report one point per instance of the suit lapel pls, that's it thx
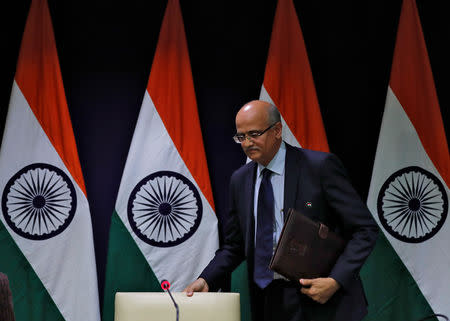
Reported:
(249, 191)
(291, 176)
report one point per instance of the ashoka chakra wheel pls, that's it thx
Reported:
(412, 205)
(39, 201)
(164, 209)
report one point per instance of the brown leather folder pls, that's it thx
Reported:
(306, 249)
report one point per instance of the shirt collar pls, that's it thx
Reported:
(276, 165)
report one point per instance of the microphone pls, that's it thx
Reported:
(165, 285)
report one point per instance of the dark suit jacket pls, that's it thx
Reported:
(318, 178)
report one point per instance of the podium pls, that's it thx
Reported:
(157, 306)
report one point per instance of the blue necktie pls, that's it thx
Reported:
(264, 232)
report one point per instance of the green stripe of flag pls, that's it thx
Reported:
(239, 284)
(392, 293)
(30, 298)
(127, 269)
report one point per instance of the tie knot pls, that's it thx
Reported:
(266, 173)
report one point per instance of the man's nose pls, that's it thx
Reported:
(247, 142)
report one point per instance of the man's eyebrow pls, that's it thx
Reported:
(251, 130)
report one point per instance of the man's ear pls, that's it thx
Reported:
(278, 129)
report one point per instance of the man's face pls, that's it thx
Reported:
(262, 148)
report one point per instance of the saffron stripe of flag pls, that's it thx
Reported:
(288, 82)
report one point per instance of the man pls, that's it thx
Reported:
(282, 177)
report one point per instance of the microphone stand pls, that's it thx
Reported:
(165, 285)
(174, 303)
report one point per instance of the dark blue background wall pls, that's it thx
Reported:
(106, 50)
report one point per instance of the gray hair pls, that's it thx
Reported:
(274, 115)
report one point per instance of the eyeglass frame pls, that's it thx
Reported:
(255, 134)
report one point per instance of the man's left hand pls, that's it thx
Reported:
(320, 289)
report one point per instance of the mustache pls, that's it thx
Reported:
(251, 148)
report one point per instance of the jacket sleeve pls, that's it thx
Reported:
(232, 252)
(354, 218)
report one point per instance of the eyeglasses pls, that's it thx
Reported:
(253, 134)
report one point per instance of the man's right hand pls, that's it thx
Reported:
(198, 285)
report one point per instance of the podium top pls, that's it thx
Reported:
(157, 306)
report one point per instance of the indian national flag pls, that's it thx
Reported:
(408, 275)
(164, 225)
(46, 241)
(289, 85)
